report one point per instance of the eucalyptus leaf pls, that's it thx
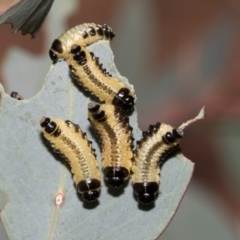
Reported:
(31, 175)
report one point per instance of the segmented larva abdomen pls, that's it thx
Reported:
(156, 144)
(68, 139)
(116, 142)
(87, 70)
(83, 35)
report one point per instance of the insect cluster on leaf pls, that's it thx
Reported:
(120, 160)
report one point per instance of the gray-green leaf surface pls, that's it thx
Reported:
(31, 175)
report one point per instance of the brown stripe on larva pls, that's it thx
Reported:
(80, 156)
(116, 136)
(97, 82)
(146, 170)
(147, 134)
(94, 79)
(150, 155)
(149, 151)
(73, 144)
(171, 152)
(158, 143)
(83, 35)
(86, 69)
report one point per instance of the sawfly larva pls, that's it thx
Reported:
(116, 142)
(158, 143)
(67, 139)
(87, 70)
(83, 35)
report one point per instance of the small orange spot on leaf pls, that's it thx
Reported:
(59, 199)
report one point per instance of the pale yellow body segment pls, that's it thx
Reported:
(116, 138)
(106, 148)
(158, 144)
(73, 144)
(75, 36)
(145, 166)
(91, 76)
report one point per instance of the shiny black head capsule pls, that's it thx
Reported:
(171, 137)
(124, 100)
(146, 192)
(49, 125)
(90, 196)
(55, 48)
(53, 56)
(75, 49)
(115, 176)
(90, 189)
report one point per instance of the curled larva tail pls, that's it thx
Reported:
(68, 139)
(116, 142)
(89, 72)
(83, 35)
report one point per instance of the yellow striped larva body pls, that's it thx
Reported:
(116, 142)
(87, 70)
(16, 95)
(157, 144)
(83, 35)
(68, 139)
